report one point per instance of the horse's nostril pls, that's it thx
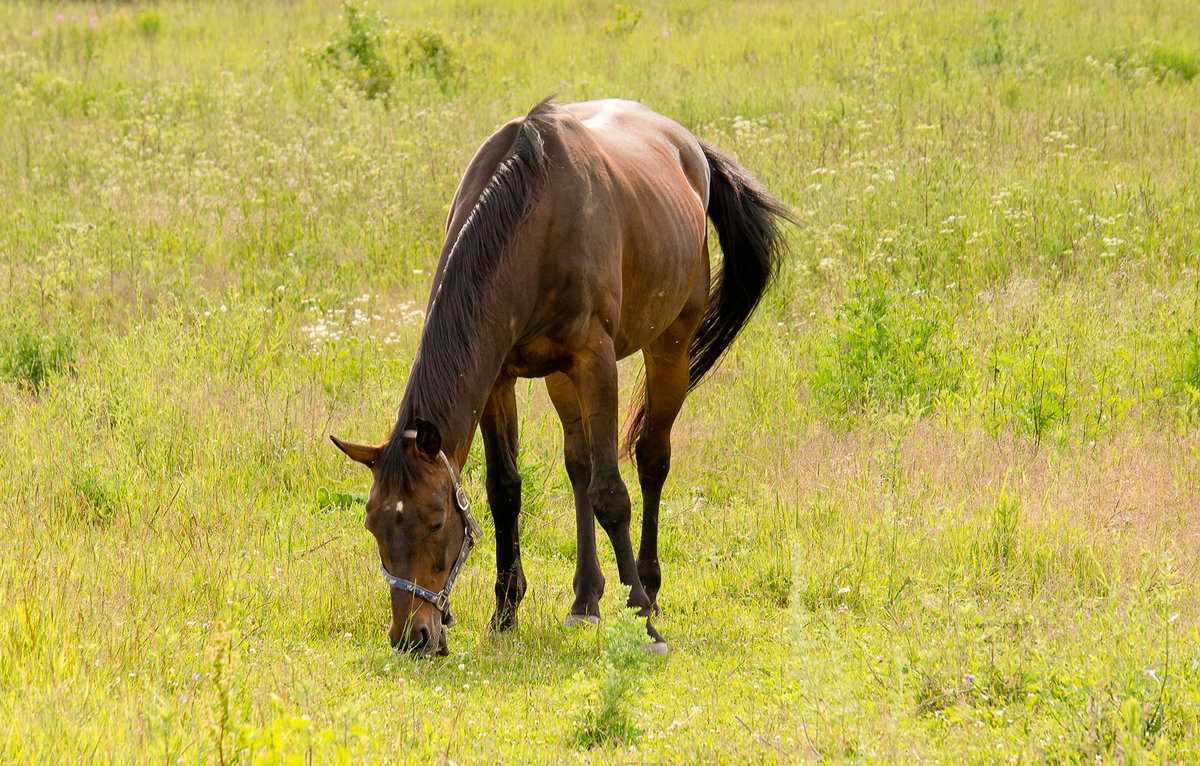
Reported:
(420, 638)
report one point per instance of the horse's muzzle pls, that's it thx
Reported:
(423, 640)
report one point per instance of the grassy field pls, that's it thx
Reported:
(940, 503)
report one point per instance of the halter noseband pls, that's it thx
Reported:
(471, 532)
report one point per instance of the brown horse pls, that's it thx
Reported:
(576, 237)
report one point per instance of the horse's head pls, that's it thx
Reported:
(417, 513)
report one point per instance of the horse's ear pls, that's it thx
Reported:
(429, 439)
(360, 453)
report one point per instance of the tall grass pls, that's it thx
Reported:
(939, 503)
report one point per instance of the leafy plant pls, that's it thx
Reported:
(1006, 515)
(1168, 60)
(33, 352)
(221, 654)
(1032, 389)
(606, 718)
(885, 352)
(359, 52)
(624, 21)
(429, 53)
(332, 500)
(96, 501)
(1187, 375)
(149, 23)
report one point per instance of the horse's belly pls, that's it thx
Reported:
(659, 299)
(536, 359)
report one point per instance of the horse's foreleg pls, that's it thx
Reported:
(499, 428)
(594, 374)
(589, 580)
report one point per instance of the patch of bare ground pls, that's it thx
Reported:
(1128, 493)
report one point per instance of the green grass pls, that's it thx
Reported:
(939, 503)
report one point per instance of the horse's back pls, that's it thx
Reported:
(641, 214)
(643, 146)
(615, 236)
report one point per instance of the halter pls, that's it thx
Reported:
(471, 532)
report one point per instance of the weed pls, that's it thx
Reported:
(1170, 61)
(605, 718)
(1006, 515)
(885, 352)
(359, 52)
(429, 53)
(222, 713)
(331, 500)
(1187, 372)
(1031, 389)
(96, 501)
(149, 23)
(992, 50)
(624, 21)
(33, 352)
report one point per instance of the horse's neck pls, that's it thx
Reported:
(457, 363)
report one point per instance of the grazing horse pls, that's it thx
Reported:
(576, 237)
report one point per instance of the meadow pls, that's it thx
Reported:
(940, 503)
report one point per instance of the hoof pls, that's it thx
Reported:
(655, 648)
(581, 620)
(503, 624)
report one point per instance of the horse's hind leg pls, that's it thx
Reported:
(594, 374)
(589, 580)
(666, 387)
(499, 428)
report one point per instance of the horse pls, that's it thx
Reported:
(576, 237)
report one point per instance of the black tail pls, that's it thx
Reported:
(748, 223)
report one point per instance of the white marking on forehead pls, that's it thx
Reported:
(400, 507)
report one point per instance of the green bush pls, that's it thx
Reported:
(370, 54)
(1187, 374)
(429, 53)
(149, 24)
(884, 352)
(359, 52)
(1032, 390)
(32, 351)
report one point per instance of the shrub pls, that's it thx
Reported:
(149, 24)
(430, 54)
(624, 21)
(368, 54)
(358, 52)
(1187, 374)
(32, 352)
(885, 352)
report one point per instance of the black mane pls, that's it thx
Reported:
(448, 350)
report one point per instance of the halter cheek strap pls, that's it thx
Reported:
(471, 533)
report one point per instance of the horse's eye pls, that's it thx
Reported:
(433, 530)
